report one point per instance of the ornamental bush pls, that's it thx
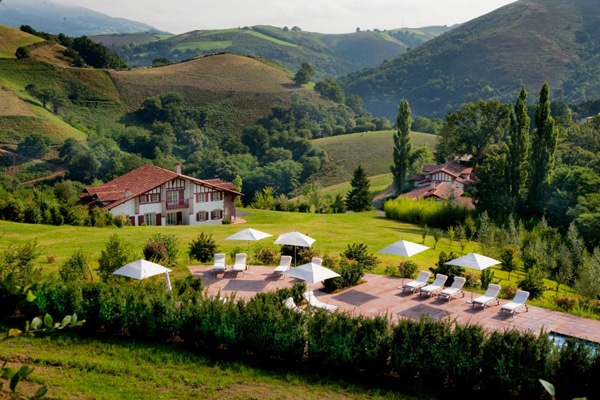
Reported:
(203, 248)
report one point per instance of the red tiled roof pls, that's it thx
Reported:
(142, 180)
(442, 190)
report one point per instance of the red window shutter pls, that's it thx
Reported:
(197, 216)
(132, 221)
(140, 220)
(158, 219)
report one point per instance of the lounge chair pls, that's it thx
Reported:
(284, 264)
(517, 302)
(219, 264)
(291, 304)
(417, 283)
(314, 302)
(436, 287)
(240, 263)
(455, 289)
(316, 260)
(490, 295)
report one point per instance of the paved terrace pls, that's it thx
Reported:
(380, 295)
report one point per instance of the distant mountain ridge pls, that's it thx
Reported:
(527, 42)
(45, 16)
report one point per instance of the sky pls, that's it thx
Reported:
(322, 16)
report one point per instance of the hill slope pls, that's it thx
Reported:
(48, 17)
(526, 42)
(328, 54)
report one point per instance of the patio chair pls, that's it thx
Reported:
(455, 289)
(314, 302)
(240, 263)
(291, 304)
(219, 264)
(284, 264)
(517, 302)
(436, 287)
(417, 283)
(490, 295)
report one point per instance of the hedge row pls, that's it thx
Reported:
(442, 358)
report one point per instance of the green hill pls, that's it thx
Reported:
(372, 150)
(329, 54)
(526, 42)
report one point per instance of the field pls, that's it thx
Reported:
(372, 150)
(11, 39)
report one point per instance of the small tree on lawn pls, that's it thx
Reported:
(203, 248)
(117, 253)
(359, 199)
(510, 259)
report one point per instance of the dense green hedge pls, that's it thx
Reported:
(439, 358)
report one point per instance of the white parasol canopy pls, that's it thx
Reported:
(474, 261)
(248, 234)
(311, 272)
(295, 239)
(141, 269)
(403, 248)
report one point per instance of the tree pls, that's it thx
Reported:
(492, 193)
(304, 74)
(359, 199)
(402, 145)
(518, 148)
(115, 254)
(34, 145)
(330, 89)
(543, 149)
(22, 53)
(588, 276)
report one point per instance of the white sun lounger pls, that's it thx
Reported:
(240, 263)
(291, 304)
(285, 264)
(219, 263)
(436, 287)
(314, 302)
(519, 301)
(491, 294)
(455, 289)
(417, 283)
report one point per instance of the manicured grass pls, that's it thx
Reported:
(80, 368)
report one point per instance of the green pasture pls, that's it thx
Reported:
(78, 368)
(205, 46)
(372, 150)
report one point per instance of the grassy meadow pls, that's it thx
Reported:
(372, 150)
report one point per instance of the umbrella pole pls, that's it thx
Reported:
(247, 271)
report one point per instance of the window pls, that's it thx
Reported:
(202, 216)
(216, 196)
(173, 196)
(150, 219)
(150, 198)
(172, 219)
(216, 214)
(201, 197)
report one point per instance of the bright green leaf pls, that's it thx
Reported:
(30, 296)
(36, 323)
(549, 387)
(41, 392)
(48, 321)
(66, 321)
(14, 332)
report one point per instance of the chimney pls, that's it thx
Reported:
(178, 168)
(432, 185)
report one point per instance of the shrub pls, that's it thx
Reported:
(507, 292)
(487, 276)
(566, 303)
(171, 244)
(266, 255)
(115, 254)
(533, 283)
(155, 251)
(358, 252)
(351, 272)
(408, 269)
(202, 248)
(76, 269)
(450, 270)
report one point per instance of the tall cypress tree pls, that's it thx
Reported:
(518, 148)
(402, 145)
(543, 149)
(358, 199)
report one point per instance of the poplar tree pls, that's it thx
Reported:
(543, 149)
(518, 148)
(402, 145)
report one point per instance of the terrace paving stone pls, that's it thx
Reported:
(379, 295)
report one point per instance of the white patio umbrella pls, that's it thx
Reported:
(248, 234)
(403, 248)
(142, 269)
(311, 273)
(474, 261)
(295, 239)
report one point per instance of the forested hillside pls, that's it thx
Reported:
(329, 54)
(527, 42)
